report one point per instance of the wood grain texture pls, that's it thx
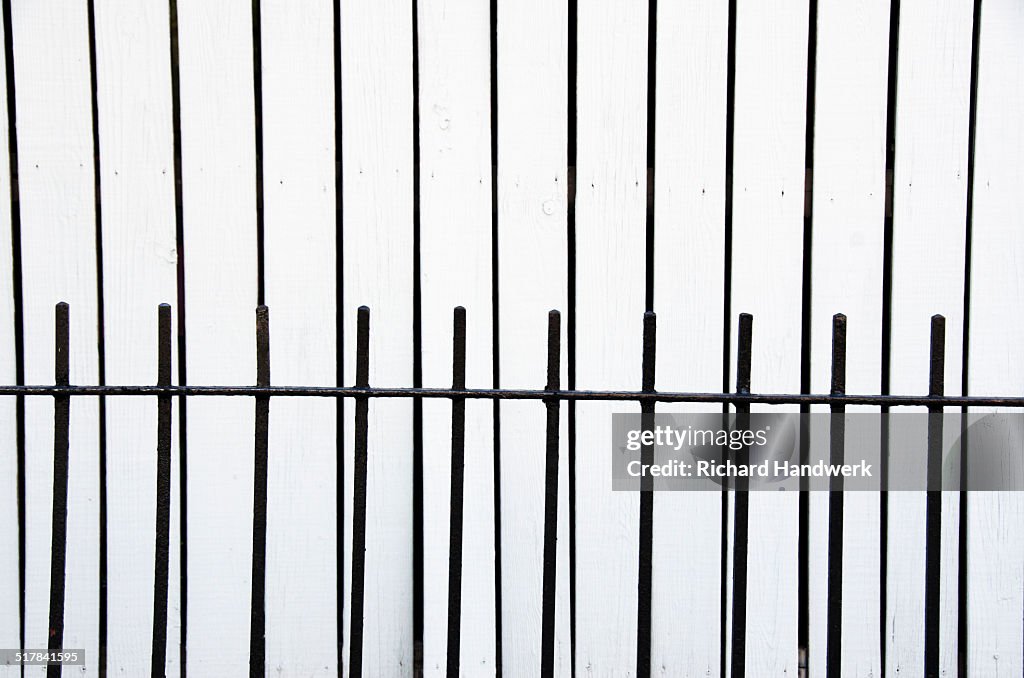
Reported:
(455, 256)
(689, 294)
(768, 201)
(218, 183)
(848, 241)
(533, 277)
(929, 194)
(301, 265)
(611, 180)
(9, 584)
(140, 263)
(995, 542)
(51, 61)
(376, 43)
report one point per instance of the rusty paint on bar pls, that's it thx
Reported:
(163, 495)
(646, 522)
(837, 436)
(58, 534)
(547, 653)
(257, 625)
(457, 487)
(742, 506)
(933, 502)
(355, 660)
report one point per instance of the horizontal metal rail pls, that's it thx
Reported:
(550, 396)
(519, 394)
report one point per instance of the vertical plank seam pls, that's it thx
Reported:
(418, 583)
(886, 368)
(100, 333)
(19, 326)
(730, 129)
(495, 332)
(570, 218)
(804, 510)
(179, 244)
(339, 280)
(962, 559)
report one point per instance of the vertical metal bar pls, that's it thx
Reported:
(742, 506)
(963, 636)
(257, 624)
(58, 534)
(933, 503)
(837, 452)
(646, 536)
(355, 659)
(457, 486)
(553, 405)
(163, 494)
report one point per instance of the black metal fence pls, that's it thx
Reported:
(552, 394)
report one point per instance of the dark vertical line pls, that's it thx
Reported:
(570, 331)
(179, 238)
(257, 90)
(495, 333)
(100, 334)
(837, 454)
(730, 133)
(59, 532)
(19, 325)
(649, 174)
(417, 361)
(339, 329)
(803, 541)
(257, 624)
(457, 486)
(547, 644)
(742, 506)
(646, 523)
(962, 592)
(933, 504)
(355, 658)
(890, 169)
(161, 568)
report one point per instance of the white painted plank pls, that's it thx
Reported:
(688, 297)
(611, 192)
(929, 194)
(51, 60)
(218, 183)
(139, 256)
(299, 228)
(849, 219)
(533, 279)
(994, 538)
(376, 43)
(768, 205)
(9, 584)
(455, 255)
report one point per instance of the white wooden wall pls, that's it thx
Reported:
(529, 164)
